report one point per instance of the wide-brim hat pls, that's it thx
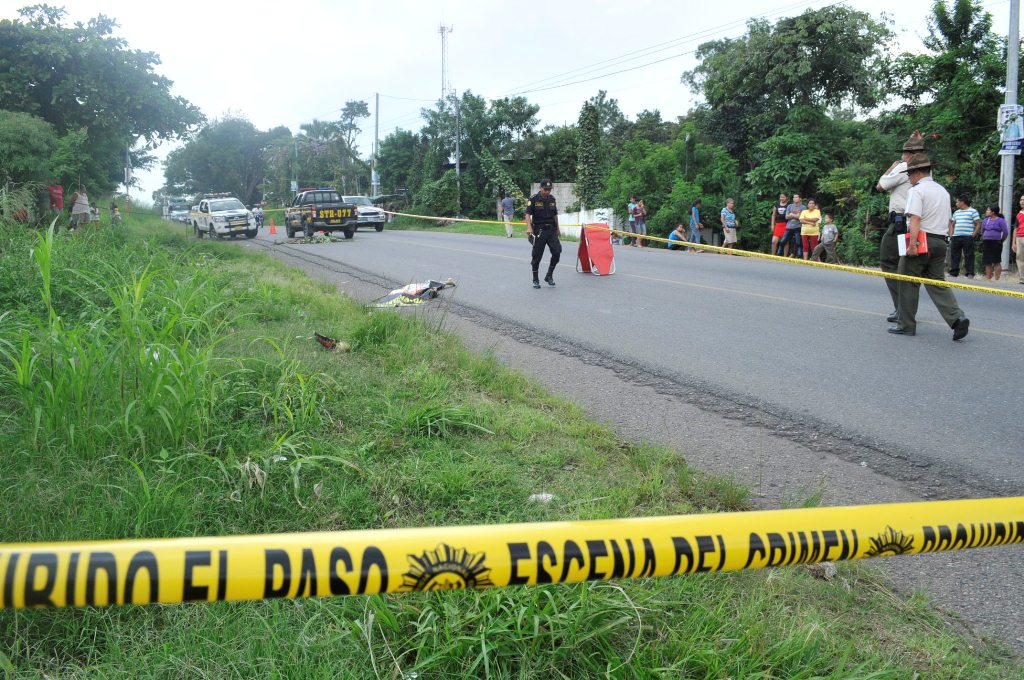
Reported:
(918, 161)
(914, 143)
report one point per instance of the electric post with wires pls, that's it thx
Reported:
(1010, 114)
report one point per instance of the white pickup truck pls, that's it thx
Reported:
(369, 214)
(220, 215)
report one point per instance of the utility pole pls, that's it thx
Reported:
(1009, 160)
(458, 156)
(374, 177)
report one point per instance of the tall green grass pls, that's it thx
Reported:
(153, 386)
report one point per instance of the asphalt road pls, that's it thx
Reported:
(780, 375)
(809, 344)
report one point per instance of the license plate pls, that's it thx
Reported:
(335, 214)
(238, 224)
(334, 221)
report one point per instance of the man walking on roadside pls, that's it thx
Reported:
(895, 181)
(508, 208)
(542, 226)
(927, 211)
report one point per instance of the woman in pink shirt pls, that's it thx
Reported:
(1017, 245)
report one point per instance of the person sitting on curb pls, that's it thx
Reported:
(677, 235)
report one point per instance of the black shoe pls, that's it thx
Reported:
(536, 282)
(896, 330)
(960, 329)
(549, 279)
(893, 315)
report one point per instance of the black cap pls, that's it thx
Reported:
(545, 184)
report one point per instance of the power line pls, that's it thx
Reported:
(407, 99)
(647, 51)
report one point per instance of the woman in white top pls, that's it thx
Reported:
(81, 211)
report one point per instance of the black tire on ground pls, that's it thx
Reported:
(199, 234)
(251, 233)
(379, 227)
(349, 232)
(214, 234)
(288, 230)
(307, 230)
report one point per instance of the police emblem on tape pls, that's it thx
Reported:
(890, 542)
(446, 568)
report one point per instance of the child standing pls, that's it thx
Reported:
(827, 244)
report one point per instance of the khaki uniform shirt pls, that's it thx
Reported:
(930, 201)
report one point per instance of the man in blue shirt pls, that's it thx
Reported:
(963, 228)
(792, 235)
(508, 206)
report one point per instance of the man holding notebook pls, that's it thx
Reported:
(928, 211)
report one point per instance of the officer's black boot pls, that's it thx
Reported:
(550, 278)
(536, 279)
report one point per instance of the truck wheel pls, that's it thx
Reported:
(214, 234)
(349, 232)
(379, 227)
(199, 234)
(288, 230)
(251, 233)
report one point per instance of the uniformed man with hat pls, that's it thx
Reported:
(895, 181)
(928, 211)
(542, 230)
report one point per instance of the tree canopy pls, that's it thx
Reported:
(226, 155)
(825, 57)
(83, 79)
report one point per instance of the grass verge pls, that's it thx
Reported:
(157, 386)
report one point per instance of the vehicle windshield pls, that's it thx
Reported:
(358, 200)
(226, 204)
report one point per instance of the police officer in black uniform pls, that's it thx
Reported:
(542, 229)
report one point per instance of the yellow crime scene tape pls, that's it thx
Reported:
(761, 256)
(298, 565)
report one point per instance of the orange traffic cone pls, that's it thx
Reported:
(273, 227)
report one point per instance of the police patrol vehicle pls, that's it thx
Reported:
(220, 215)
(321, 209)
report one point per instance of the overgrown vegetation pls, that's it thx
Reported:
(154, 386)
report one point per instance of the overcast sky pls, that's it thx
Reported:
(290, 62)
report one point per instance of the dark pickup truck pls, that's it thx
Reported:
(315, 210)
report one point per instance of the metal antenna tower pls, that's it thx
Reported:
(445, 85)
